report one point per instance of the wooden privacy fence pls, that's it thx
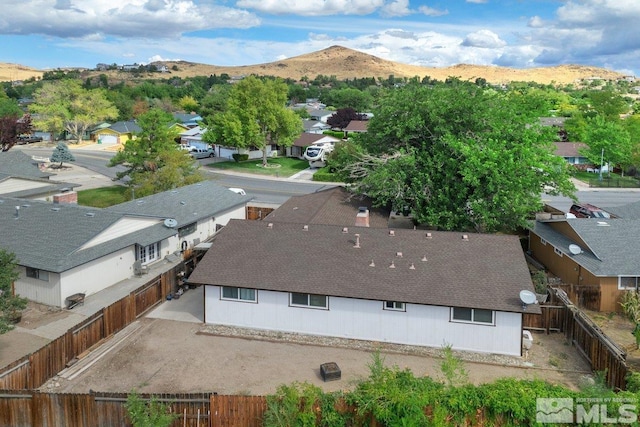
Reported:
(603, 354)
(237, 411)
(32, 408)
(33, 370)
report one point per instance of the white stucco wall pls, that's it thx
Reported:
(99, 274)
(362, 319)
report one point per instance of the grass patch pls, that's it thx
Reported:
(281, 166)
(608, 180)
(104, 197)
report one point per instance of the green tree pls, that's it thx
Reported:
(349, 98)
(458, 157)
(255, 116)
(188, 103)
(10, 305)
(66, 105)
(153, 160)
(62, 154)
(609, 142)
(151, 413)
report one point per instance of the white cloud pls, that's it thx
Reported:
(485, 39)
(429, 11)
(310, 8)
(152, 18)
(396, 8)
(535, 22)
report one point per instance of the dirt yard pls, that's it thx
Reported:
(170, 356)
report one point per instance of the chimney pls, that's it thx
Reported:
(362, 217)
(66, 197)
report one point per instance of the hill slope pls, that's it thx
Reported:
(347, 63)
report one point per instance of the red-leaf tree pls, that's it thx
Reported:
(11, 126)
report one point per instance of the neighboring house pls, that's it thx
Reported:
(190, 135)
(597, 259)
(333, 206)
(414, 287)
(305, 140)
(63, 248)
(314, 126)
(117, 133)
(356, 126)
(189, 120)
(21, 177)
(570, 151)
(320, 115)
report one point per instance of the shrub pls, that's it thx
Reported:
(148, 414)
(323, 175)
(240, 157)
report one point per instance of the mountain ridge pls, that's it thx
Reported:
(345, 63)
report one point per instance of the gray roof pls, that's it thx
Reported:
(609, 248)
(49, 236)
(333, 206)
(125, 127)
(185, 204)
(17, 164)
(49, 188)
(628, 211)
(485, 271)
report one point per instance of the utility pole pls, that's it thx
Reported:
(601, 159)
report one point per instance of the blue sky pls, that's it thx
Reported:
(512, 33)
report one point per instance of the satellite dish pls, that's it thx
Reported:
(527, 297)
(170, 222)
(575, 249)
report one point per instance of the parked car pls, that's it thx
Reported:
(28, 139)
(201, 153)
(238, 191)
(585, 210)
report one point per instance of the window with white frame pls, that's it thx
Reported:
(150, 253)
(544, 242)
(308, 300)
(34, 273)
(473, 315)
(628, 282)
(557, 251)
(394, 306)
(239, 294)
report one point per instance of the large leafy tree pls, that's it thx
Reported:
(608, 142)
(255, 116)
(66, 105)
(153, 161)
(10, 304)
(457, 157)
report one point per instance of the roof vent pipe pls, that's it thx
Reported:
(305, 228)
(17, 211)
(357, 245)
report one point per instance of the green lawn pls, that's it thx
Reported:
(281, 166)
(608, 180)
(104, 197)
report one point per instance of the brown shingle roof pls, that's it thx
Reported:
(357, 126)
(485, 271)
(570, 149)
(334, 206)
(307, 139)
